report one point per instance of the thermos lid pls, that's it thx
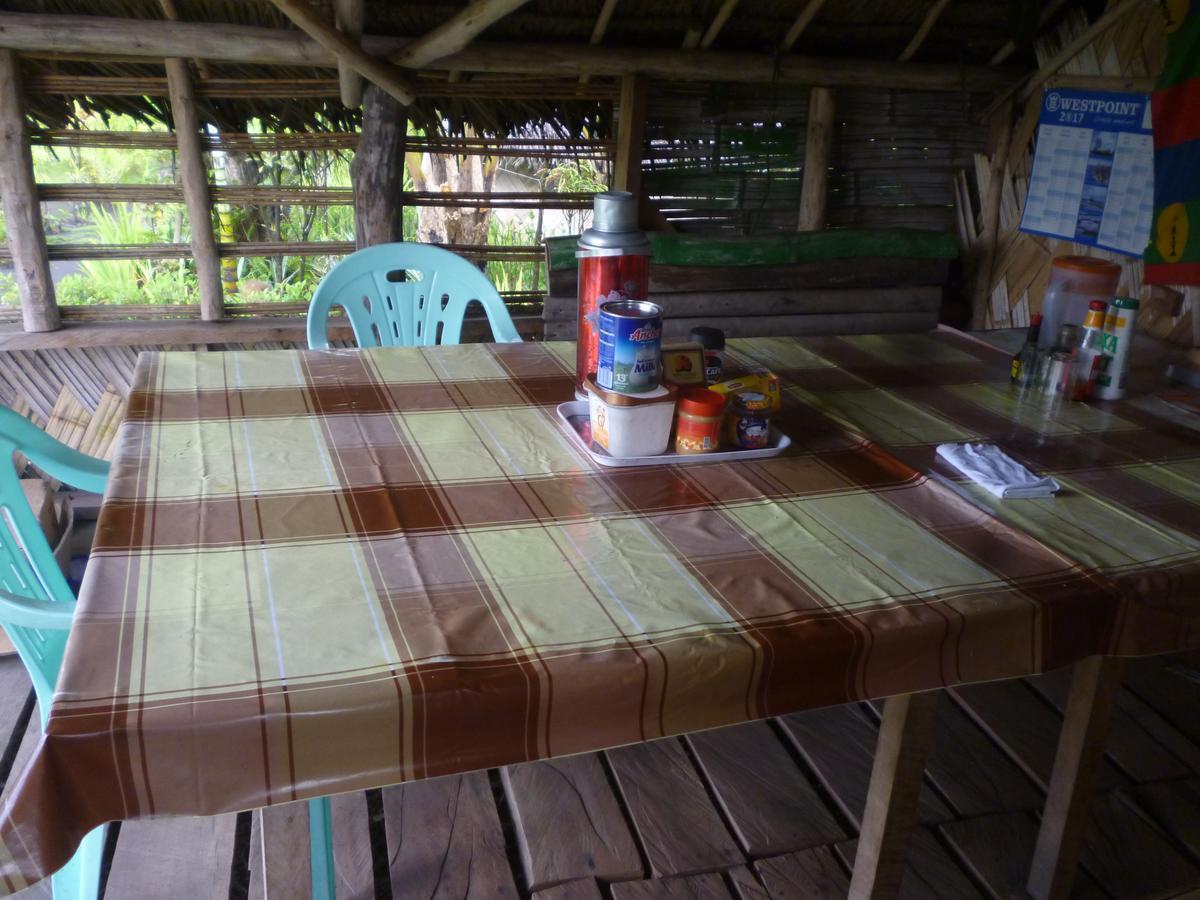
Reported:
(614, 211)
(614, 224)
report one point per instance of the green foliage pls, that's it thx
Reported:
(261, 279)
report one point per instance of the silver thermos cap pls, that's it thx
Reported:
(615, 225)
(614, 211)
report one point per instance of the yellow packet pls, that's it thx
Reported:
(763, 382)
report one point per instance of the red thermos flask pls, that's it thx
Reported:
(614, 264)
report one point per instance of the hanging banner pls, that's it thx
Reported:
(1173, 254)
(1093, 170)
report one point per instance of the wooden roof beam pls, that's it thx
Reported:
(696, 38)
(102, 36)
(384, 74)
(803, 20)
(601, 26)
(455, 33)
(1010, 47)
(927, 24)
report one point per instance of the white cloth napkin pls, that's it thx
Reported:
(989, 466)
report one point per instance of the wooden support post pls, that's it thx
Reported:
(193, 173)
(1094, 685)
(983, 257)
(349, 15)
(905, 736)
(378, 170)
(22, 210)
(631, 125)
(818, 149)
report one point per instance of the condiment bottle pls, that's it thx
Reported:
(1090, 361)
(698, 420)
(1025, 361)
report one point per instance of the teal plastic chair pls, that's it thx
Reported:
(36, 603)
(404, 295)
(36, 610)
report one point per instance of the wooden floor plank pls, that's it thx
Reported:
(970, 771)
(445, 841)
(815, 874)
(710, 886)
(1175, 807)
(1025, 728)
(1138, 753)
(15, 690)
(1129, 857)
(932, 873)
(1174, 696)
(280, 865)
(997, 851)
(584, 889)
(745, 884)
(839, 743)
(568, 822)
(173, 857)
(765, 796)
(677, 824)
(352, 864)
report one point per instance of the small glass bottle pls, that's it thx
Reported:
(1025, 360)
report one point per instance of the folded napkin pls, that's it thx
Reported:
(989, 466)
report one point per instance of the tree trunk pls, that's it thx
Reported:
(378, 170)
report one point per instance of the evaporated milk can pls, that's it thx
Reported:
(630, 346)
(614, 265)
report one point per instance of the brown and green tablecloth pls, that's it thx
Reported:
(319, 571)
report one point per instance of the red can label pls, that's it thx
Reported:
(603, 279)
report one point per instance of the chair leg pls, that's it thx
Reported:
(320, 841)
(79, 879)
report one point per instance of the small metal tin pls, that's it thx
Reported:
(630, 346)
(1057, 381)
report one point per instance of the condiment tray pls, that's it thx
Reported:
(574, 415)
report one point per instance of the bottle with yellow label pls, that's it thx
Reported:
(1119, 327)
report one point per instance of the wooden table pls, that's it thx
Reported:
(318, 572)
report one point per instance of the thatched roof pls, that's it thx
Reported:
(967, 32)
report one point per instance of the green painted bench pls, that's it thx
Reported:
(819, 282)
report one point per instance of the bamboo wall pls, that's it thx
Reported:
(729, 158)
(1135, 48)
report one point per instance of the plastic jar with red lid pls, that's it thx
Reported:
(698, 420)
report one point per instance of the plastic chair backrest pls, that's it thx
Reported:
(36, 603)
(403, 295)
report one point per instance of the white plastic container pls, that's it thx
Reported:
(630, 424)
(1075, 281)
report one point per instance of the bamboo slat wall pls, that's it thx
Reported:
(725, 159)
(1134, 49)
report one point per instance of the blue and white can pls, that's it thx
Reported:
(630, 346)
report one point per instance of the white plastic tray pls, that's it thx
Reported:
(574, 415)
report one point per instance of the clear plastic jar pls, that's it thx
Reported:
(698, 421)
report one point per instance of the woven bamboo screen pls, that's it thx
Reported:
(729, 158)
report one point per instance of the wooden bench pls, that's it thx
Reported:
(820, 282)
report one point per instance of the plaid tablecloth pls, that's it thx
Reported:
(323, 571)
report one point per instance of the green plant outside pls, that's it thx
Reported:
(259, 279)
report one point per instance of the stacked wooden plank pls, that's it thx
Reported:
(860, 283)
